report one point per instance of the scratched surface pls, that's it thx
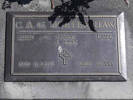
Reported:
(103, 90)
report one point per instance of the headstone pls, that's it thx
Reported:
(37, 50)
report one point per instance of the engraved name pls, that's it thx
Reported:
(104, 24)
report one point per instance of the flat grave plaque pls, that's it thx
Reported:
(39, 51)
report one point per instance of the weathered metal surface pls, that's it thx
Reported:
(37, 50)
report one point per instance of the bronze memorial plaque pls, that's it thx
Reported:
(38, 51)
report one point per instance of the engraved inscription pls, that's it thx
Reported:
(35, 64)
(70, 49)
(105, 63)
(86, 63)
(29, 25)
(104, 36)
(105, 24)
(43, 64)
(24, 64)
(25, 37)
(69, 40)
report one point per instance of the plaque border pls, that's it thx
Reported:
(10, 76)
